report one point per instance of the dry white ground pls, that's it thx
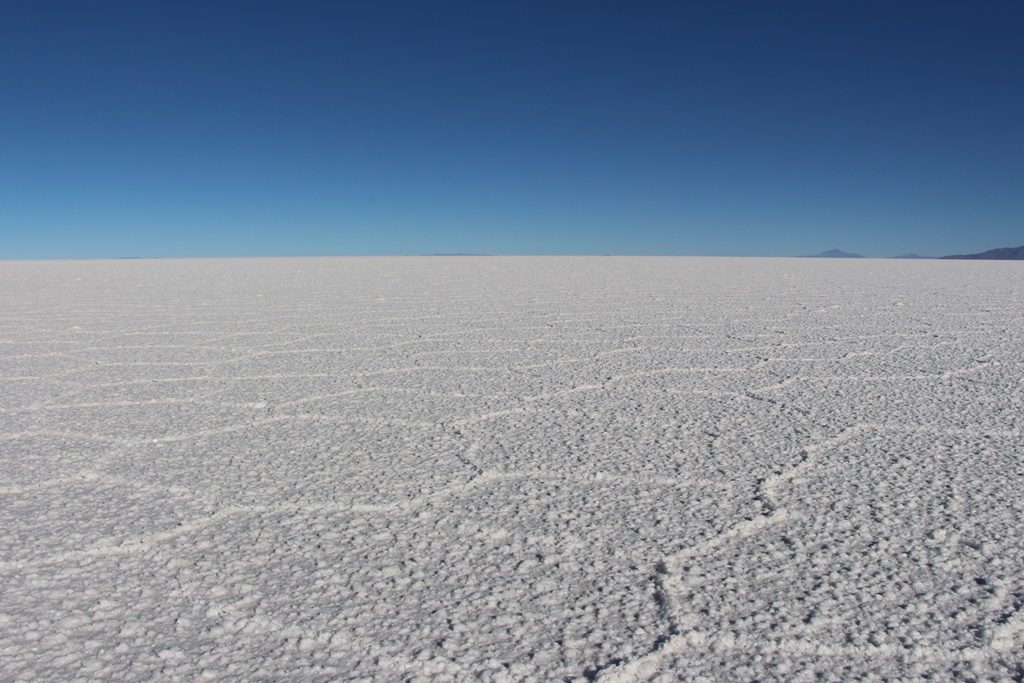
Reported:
(509, 469)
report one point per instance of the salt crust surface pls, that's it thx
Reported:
(619, 469)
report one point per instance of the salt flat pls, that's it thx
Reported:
(511, 468)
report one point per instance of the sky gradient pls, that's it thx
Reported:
(297, 128)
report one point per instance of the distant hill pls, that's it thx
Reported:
(834, 253)
(911, 256)
(1003, 254)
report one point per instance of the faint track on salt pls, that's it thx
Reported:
(948, 374)
(480, 477)
(582, 388)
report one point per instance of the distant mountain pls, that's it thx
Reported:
(1004, 254)
(834, 253)
(911, 256)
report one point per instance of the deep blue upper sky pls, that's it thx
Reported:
(277, 128)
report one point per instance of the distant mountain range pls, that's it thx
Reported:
(1003, 254)
(834, 253)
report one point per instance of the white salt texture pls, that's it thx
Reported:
(620, 469)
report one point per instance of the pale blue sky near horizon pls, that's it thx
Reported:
(320, 128)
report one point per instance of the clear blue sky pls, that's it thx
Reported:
(278, 128)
